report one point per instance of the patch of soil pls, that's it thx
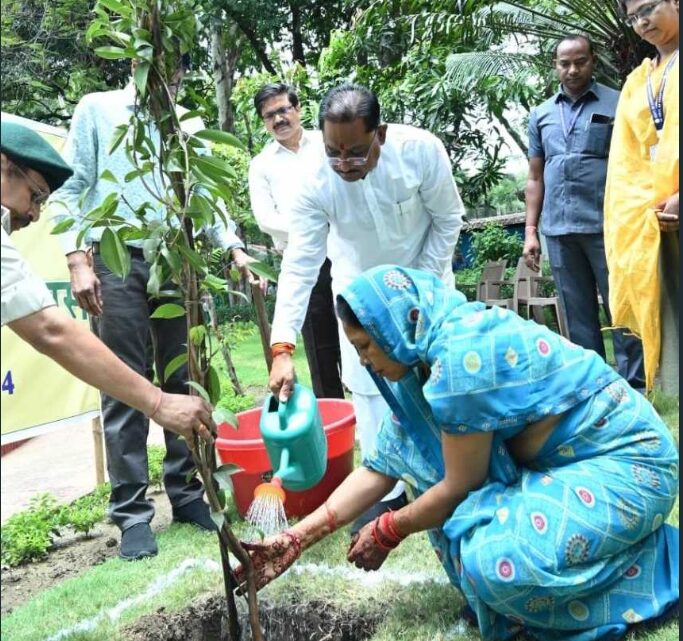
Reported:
(206, 620)
(71, 555)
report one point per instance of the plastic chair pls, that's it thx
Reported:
(491, 279)
(526, 294)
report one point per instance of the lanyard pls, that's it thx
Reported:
(568, 129)
(657, 104)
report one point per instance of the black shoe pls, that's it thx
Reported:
(376, 510)
(195, 512)
(137, 542)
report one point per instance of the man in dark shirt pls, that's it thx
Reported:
(569, 137)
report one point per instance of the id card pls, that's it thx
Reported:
(653, 153)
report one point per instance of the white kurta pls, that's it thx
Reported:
(406, 211)
(275, 176)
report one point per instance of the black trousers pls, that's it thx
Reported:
(127, 329)
(321, 338)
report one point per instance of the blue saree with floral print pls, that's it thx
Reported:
(571, 546)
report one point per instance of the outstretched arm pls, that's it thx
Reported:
(80, 352)
(361, 489)
(466, 459)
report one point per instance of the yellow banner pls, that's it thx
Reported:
(37, 394)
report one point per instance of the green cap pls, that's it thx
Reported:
(31, 150)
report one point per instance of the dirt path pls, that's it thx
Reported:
(71, 555)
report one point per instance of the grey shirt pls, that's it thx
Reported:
(87, 150)
(575, 165)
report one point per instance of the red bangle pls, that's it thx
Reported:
(376, 535)
(331, 518)
(387, 531)
(281, 348)
(157, 405)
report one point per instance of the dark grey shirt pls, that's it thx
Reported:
(575, 165)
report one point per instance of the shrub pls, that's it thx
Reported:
(29, 534)
(493, 242)
(155, 465)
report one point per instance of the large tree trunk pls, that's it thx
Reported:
(224, 64)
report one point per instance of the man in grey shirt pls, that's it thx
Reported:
(121, 309)
(569, 137)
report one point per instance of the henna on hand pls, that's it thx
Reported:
(269, 559)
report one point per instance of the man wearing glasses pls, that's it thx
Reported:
(30, 169)
(274, 177)
(385, 195)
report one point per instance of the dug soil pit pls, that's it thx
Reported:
(206, 621)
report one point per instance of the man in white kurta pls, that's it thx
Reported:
(275, 175)
(386, 195)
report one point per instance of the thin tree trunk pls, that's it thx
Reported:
(297, 40)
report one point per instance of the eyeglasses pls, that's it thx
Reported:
(282, 111)
(38, 195)
(353, 161)
(644, 12)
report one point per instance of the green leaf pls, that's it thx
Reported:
(221, 137)
(193, 258)
(117, 7)
(223, 415)
(197, 334)
(213, 383)
(114, 253)
(63, 225)
(263, 270)
(168, 310)
(190, 475)
(222, 497)
(174, 364)
(218, 518)
(140, 77)
(223, 473)
(215, 168)
(117, 137)
(216, 284)
(188, 115)
(108, 175)
(199, 389)
(172, 259)
(111, 53)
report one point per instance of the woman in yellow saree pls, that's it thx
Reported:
(641, 196)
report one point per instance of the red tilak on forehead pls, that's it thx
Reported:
(342, 146)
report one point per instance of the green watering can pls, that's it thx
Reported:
(294, 438)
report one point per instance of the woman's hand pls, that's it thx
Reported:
(667, 213)
(269, 559)
(372, 544)
(364, 552)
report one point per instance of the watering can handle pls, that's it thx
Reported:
(282, 408)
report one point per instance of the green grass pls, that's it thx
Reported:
(250, 362)
(424, 612)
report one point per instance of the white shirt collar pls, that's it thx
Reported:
(6, 219)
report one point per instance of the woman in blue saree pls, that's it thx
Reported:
(542, 479)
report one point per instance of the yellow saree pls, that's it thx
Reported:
(638, 179)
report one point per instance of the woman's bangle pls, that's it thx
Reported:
(331, 518)
(281, 348)
(157, 405)
(532, 227)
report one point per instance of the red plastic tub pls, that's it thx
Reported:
(245, 448)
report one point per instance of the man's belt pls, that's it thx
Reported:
(135, 252)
